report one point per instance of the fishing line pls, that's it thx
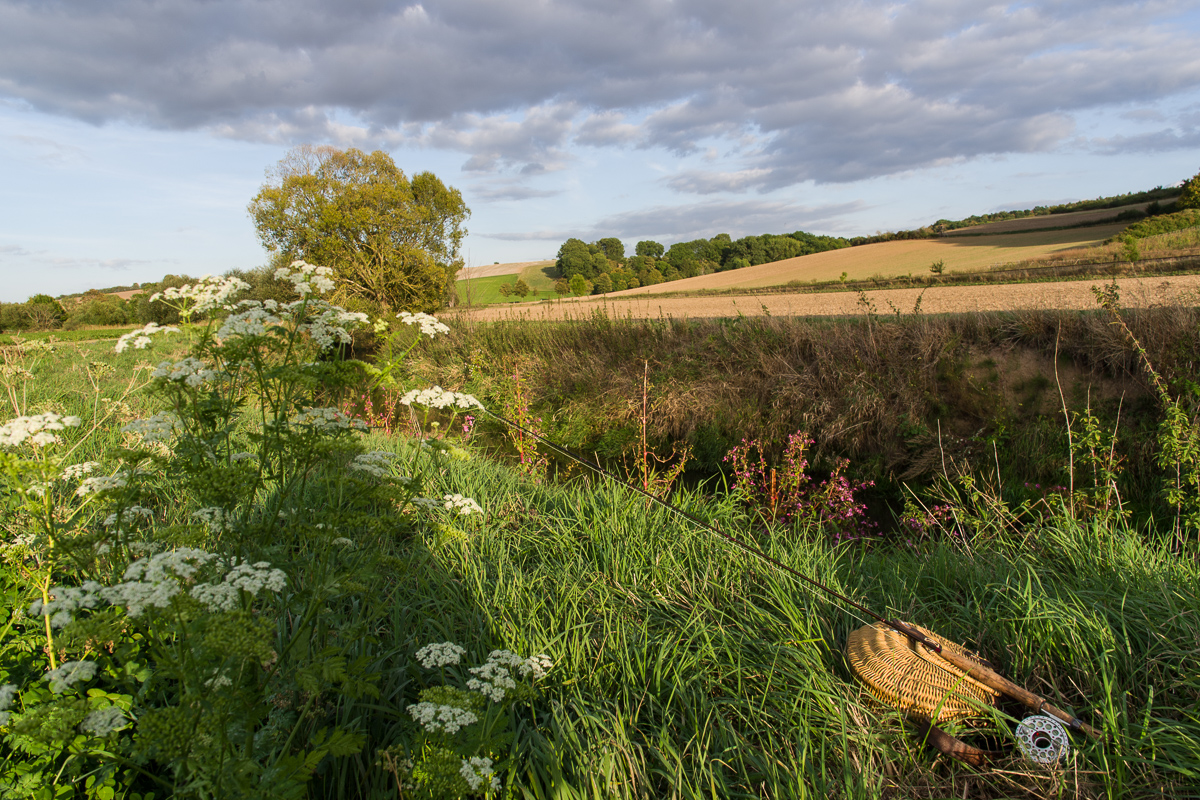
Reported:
(895, 625)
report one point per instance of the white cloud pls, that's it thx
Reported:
(785, 92)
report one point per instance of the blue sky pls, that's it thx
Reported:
(134, 133)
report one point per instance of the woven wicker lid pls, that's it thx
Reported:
(912, 678)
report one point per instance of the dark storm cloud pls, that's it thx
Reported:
(692, 221)
(797, 91)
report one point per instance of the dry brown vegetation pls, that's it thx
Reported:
(1138, 292)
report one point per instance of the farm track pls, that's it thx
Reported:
(1135, 292)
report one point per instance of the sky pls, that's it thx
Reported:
(133, 133)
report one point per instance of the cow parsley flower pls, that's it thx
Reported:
(191, 371)
(435, 719)
(37, 429)
(331, 325)
(244, 577)
(8, 693)
(429, 324)
(159, 428)
(76, 471)
(377, 463)
(104, 721)
(140, 339)
(437, 397)
(130, 514)
(441, 654)
(206, 294)
(100, 483)
(216, 518)
(69, 674)
(66, 600)
(491, 680)
(476, 770)
(327, 419)
(153, 581)
(305, 277)
(247, 324)
(465, 506)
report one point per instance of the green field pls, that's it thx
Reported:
(81, 335)
(486, 291)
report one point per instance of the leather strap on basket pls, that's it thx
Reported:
(953, 746)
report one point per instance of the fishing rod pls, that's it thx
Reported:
(971, 667)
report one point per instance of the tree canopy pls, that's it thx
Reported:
(1190, 197)
(389, 240)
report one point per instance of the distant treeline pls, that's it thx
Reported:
(602, 266)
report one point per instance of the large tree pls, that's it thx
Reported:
(389, 240)
(574, 258)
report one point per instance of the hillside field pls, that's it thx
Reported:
(890, 259)
(481, 285)
(1073, 218)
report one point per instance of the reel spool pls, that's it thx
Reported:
(1043, 740)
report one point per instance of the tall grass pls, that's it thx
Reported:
(684, 669)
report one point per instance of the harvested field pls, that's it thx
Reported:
(1046, 221)
(1135, 292)
(891, 259)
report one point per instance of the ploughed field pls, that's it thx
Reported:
(1135, 292)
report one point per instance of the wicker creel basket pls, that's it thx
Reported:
(913, 678)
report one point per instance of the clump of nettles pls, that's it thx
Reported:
(459, 728)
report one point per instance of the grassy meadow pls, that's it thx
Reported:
(678, 666)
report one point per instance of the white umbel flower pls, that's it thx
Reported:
(440, 654)
(437, 397)
(76, 471)
(191, 371)
(159, 428)
(37, 429)
(463, 506)
(327, 419)
(306, 277)
(247, 324)
(250, 578)
(377, 463)
(476, 771)
(429, 324)
(140, 339)
(204, 295)
(437, 719)
(69, 674)
(104, 721)
(100, 483)
(65, 601)
(492, 680)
